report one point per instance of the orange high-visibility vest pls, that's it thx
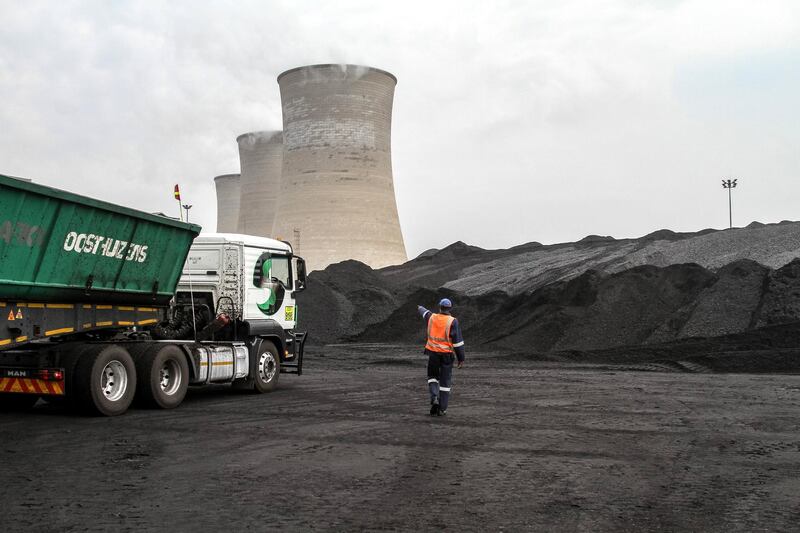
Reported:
(439, 333)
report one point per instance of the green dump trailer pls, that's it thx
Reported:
(90, 314)
(59, 246)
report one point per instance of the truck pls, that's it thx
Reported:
(102, 305)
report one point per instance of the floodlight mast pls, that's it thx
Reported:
(729, 184)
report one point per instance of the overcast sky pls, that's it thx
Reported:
(513, 121)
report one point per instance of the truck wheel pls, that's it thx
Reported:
(17, 401)
(163, 377)
(105, 380)
(69, 362)
(267, 367)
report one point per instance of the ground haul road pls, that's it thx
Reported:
(101, 304)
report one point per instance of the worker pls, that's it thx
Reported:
(444, 345)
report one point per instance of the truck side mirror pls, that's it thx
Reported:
(301, 274)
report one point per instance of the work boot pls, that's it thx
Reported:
(434, 407)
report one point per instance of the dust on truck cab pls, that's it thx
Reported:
(100, 303)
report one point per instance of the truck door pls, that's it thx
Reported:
(270, 287)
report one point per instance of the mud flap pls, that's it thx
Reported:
(297, 342)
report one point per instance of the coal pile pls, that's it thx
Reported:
(433, 269)
(597, 310)
(342, 300)
(730, 305)
(646, 305)
(594, 294)
(520, 270)
(781, 302)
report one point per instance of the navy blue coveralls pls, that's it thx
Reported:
(440, 365)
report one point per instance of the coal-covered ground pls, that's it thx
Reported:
(531, 443)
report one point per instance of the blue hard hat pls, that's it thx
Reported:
(445, 302)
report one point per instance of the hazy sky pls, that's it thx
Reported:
(513, 121)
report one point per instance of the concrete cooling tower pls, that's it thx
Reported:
(227, 203)
(337, 197)
(260, 154)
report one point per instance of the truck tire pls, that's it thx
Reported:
(163, 377)
(10, 402)
(105, 380)
(266, 367)
(69, 362)
(137, 351)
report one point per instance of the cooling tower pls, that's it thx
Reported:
(337, 197)
(227, 203)
(260, 154)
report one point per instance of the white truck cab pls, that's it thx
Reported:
(254, 277)
(253, 281)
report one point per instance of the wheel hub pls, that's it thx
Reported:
(170, 377)
(267, 367)
(114, 381)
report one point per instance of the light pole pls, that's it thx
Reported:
(187, 207)
(727, 184)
